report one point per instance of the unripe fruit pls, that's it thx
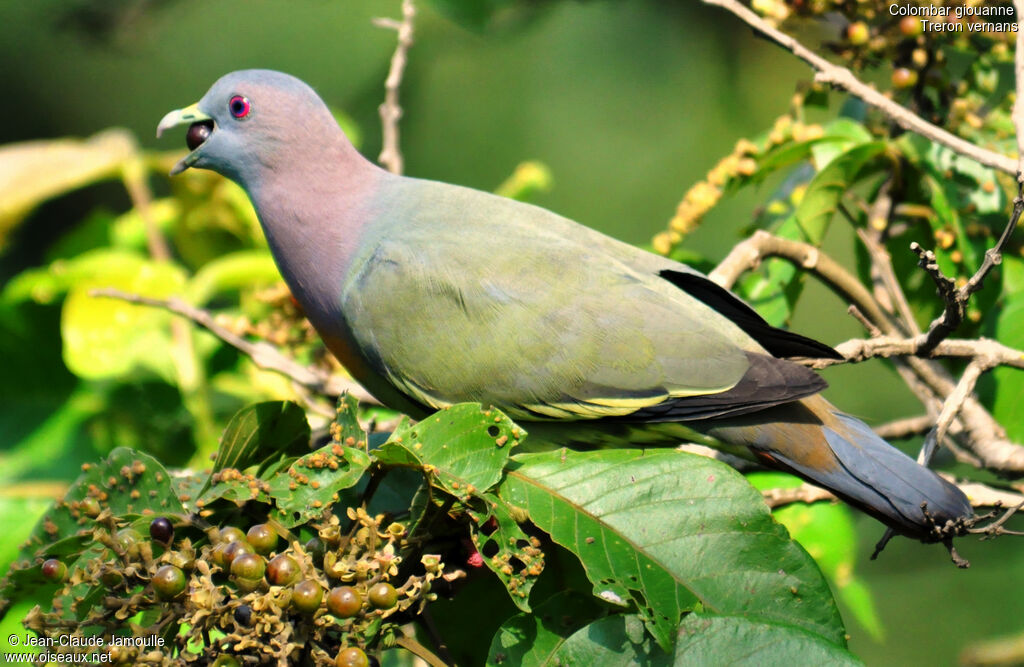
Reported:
(161, 530)
(307, 595)
(858, 33)
(234, 550)
(344, 601)
(248, 566)
(383, 595)
(352, 657)
(90, 507)
(168, 582)
(224, 660)
(282, 570)
(231, 534)
(262, 537)
(54, 569)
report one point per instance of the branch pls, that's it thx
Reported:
(841, 77)
(390, 111)
(979, 495)
(263, 354)
(749, 253)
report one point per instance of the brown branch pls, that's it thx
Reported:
(901, 429)
(841, 77)
(263, 354)
(954, 403)
(749, 253)
(979, 495)
(390, 111)
(805, 493)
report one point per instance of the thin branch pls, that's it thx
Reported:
(979, 495)
(263, 354)
(749, 253)
(901, 429)
(841, 77)
(950, 409)
(881, 265)
(805, 493)
(390, 111)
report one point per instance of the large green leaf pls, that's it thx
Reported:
(668, 531)
(529, 640)
(717, 640)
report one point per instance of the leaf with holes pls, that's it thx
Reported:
(665, 531)
(466, 446)
(309, 485)
(506, 550)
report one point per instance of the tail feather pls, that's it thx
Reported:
(813, 440)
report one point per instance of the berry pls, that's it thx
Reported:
(858, 33)
(307, 595)
(345, 601)
(161, 530)
(231, 534)
(910, 26)
(248, 566)
(352, 657)
(383, 595)
(262, 537)
(903, 77)
(234, 550)
(90, 507)
(316, 549)
(243, 615)
(168, 582)
(224, 660)
(54, 569)
(282, 570)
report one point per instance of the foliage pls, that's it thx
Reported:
(681, 559)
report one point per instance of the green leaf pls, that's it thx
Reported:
(666, 531)
(613, 641)
(245, 268)
(828, 533)
(533, 639)
(35, 171)
(510, 553)
(106, 338)
(259, 432)
(309, 485)
(466, 446)
(723, 640)
(127, 483)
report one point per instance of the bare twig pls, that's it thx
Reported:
(954, 402)
(390, 111)
(262, 354)
(749, 253)
(956, 299)
(805, 493)
(841, 77)
(881, 265)
(901, 429)
(979, 495)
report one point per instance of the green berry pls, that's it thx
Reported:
(90, 507)
(224, 660)
(234, 550)
(231, 534)
(54, 569)
(383, 595)
(263, 538)
(248, 566)
(282, 570)
(344, 601)
(316, 549)
(168, 582)
(307, 595)
(352, 656)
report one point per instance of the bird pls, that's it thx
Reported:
(432, 294)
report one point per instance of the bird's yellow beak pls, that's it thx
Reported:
(189, 114)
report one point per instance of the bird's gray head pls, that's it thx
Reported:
(252, 122)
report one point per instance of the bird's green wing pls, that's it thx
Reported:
(510, 305)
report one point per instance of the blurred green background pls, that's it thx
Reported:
(627, 102)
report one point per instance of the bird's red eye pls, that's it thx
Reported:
(239, 106)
